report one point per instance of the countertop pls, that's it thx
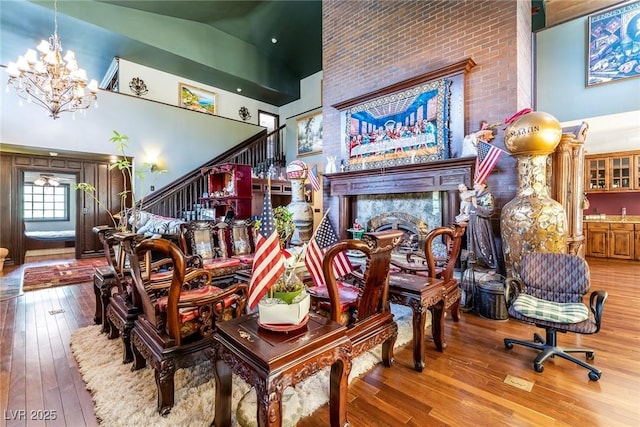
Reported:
(631, 219)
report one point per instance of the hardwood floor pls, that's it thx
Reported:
(464, 385)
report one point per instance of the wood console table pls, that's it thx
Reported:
(272, 361)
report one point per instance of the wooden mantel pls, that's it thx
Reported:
(441, 175)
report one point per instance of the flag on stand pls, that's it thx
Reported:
(488, 156)
(268, 260)
(323, 238)
(313, 178)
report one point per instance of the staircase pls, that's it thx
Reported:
(260, 152)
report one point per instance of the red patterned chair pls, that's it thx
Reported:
(122, 308)
(212, 241)
(177, 322)
(364, 308)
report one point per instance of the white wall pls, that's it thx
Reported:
(310, 101)
(612, 110)
(163, 87)
(180, 139)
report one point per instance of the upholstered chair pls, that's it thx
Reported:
(210, 241)
(122, 307)
(365, 308)
(176, 323)
(550, 294)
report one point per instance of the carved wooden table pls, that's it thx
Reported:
(425, 293)
(272, 361)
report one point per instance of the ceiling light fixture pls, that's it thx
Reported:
(53, 82)
(274, 40)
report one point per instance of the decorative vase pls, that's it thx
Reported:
(302, 213)
(532, 221)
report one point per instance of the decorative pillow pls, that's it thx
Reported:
(536, 308)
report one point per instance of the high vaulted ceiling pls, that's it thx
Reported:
(226, 44)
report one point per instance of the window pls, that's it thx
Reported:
(46, 203)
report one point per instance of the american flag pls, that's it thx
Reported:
(325, 237)
(313, 178)
(268, 261)
(488, 156)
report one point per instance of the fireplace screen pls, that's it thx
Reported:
(411, 126)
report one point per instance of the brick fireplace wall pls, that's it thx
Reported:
(373, 44)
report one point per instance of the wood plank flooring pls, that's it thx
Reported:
(462, 386)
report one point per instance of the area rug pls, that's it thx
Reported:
(125, 398)
(10, 287)
(67, 273)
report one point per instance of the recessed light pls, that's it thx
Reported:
(239, 89)
(274, 40)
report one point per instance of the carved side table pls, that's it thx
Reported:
(425, 293)
(272, 361)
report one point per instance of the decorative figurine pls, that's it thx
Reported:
(466, 196)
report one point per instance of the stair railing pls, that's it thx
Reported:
(181, 195)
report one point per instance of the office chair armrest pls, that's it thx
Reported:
(596, 303)
(512, 288)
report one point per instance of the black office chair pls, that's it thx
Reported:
(549, 294)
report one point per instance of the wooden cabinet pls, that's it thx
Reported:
(613, 172)
(597, 239)
(637, 242)
(621, 241)
(613, 240)
(229, 188)
(280, 194)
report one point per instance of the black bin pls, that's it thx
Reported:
(491, 303)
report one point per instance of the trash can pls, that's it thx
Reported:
(491, 302)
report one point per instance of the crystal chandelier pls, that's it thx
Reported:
(54, 82)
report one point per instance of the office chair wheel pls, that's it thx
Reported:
(594, 376)
(508, 345)
(590, 355)
(538, 367)
(537, 338)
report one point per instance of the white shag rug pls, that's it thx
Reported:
(125, 398)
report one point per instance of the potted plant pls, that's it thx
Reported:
(283, 219)
(126, 218)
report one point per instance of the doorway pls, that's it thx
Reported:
(271, 122)
(49, 213)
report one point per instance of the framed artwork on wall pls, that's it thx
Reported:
(410, 126)
(614, 44)
(309, 134)
(197, 99)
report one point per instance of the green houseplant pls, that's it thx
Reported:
(121, 219)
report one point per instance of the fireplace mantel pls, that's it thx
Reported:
(442, 175)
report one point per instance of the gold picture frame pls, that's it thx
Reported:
(197, 99)
(309, 134)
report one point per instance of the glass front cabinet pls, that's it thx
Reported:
(613, 172)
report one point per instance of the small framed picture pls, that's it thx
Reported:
(614, 44)
(197, 99)
(309, 134)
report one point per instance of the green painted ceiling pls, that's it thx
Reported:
(226, 44)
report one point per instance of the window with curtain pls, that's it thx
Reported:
(46, 203)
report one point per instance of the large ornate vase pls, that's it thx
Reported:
(532, 221)
(302, 213)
